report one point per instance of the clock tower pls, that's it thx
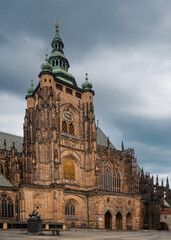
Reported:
(60, 142)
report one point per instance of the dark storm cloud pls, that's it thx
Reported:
(126, 47)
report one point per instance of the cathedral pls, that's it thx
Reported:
(66, 167)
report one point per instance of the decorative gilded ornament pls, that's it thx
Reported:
(69, 169)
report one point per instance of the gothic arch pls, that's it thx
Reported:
(108, 220)
(129, 221)
(119, 220)
(73, 154)
(80, 206)
(68, 106)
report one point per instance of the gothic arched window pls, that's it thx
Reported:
(71, 129)
(70, 209)
(110, 177)
(6, 207)
(64, 127)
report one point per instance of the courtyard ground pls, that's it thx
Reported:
(91, 234)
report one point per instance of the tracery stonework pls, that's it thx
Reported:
(69, 169)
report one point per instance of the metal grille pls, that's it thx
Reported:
(64, 127)
(71, 129)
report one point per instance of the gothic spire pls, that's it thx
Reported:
(167, 183)
(157, 181)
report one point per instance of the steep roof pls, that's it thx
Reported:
(102, 139)
(4, 182)
(10, 138)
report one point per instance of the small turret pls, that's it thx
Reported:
(46, 67)
(31, 89)
(87, 85)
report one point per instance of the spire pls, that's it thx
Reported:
(58, 60)
(31, 89)
(87, 85)
(157, 181)
(167, 183)
(162, 183)
(122, 146)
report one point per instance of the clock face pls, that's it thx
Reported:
(68, 116)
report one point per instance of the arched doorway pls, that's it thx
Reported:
(129, 221)
(108, 220)
(118, 221)
(163, 226)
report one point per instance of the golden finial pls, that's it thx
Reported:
(86, 74)
(46, 54)
(56, 25)
(32, 81)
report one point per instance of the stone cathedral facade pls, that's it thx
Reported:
(65, 165)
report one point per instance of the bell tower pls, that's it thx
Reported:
(60, 142)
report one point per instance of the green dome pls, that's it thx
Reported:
(31, 89)
(87, 85)
(46, 66)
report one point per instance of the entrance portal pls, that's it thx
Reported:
(118, 221)
(108, 220)
(129, 221)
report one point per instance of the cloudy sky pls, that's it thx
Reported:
(125, 45)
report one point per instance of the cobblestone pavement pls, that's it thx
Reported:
(91, 234)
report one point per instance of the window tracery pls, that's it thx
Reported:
(67, 123)
(6, 207)
(109, 177)
(70, 209)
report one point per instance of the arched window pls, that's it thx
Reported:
(64, 127)
(71, 129)
(53, 63)
(70, 209)
(110, 177)
(6, 207)
(1, 169)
